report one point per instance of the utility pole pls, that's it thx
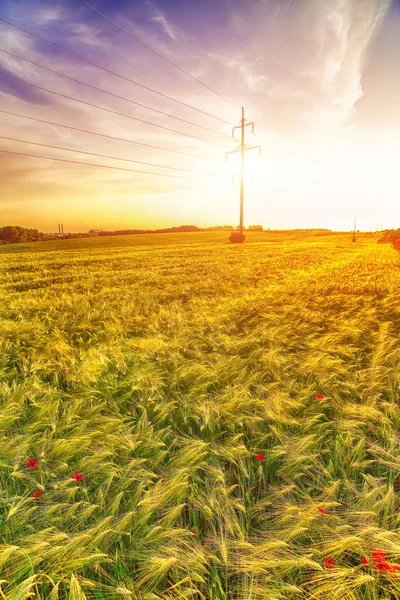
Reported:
(237, 236)
(354, 232)
(242, 172)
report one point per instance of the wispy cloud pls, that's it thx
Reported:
(48, 14)
(167, 27)
(87, 34)
(344, 31)
(329, 69)
(21, 91)
(302, 61)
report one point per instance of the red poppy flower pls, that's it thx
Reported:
(329, 562)
(385, 567)
(323, 511)
(33, 463)
(378, 556)
(77, 476)
(37, 494)
(381, 564)
(364, 561)
(319, 396)
(194, 533)
(260, 457)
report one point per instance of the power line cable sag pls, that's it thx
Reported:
(114, 95)
(93, 64)
(2, 137)
(208, 87)
(111, 137)
(75, 162)
(115, 112)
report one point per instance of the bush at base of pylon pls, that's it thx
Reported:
(236, 237)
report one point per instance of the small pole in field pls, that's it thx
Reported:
(354, 232)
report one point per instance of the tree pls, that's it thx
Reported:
(389, 236)
(13, 234)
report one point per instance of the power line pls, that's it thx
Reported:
(158, 53)
(112, 94)
(93, 64)
(111, 137)
(2, 137)
(75, 162)
(115, 112)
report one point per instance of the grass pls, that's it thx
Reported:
(160, 372)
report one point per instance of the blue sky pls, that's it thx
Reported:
(320, 80)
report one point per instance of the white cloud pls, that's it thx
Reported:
(167, 27)
(48, 14)
(304, 58)
(344, 31)
(87, 34)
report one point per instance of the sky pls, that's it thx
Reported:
(319, 79)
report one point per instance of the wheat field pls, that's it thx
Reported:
(198, 420)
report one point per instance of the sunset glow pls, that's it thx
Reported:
(322, 86)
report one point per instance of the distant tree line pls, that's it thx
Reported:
(389, 236)
(231, 228)
(303, 229)
(13, 234)
(250, 228)
(180, 229)
(219, 228)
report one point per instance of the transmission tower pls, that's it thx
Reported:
(238, 236)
